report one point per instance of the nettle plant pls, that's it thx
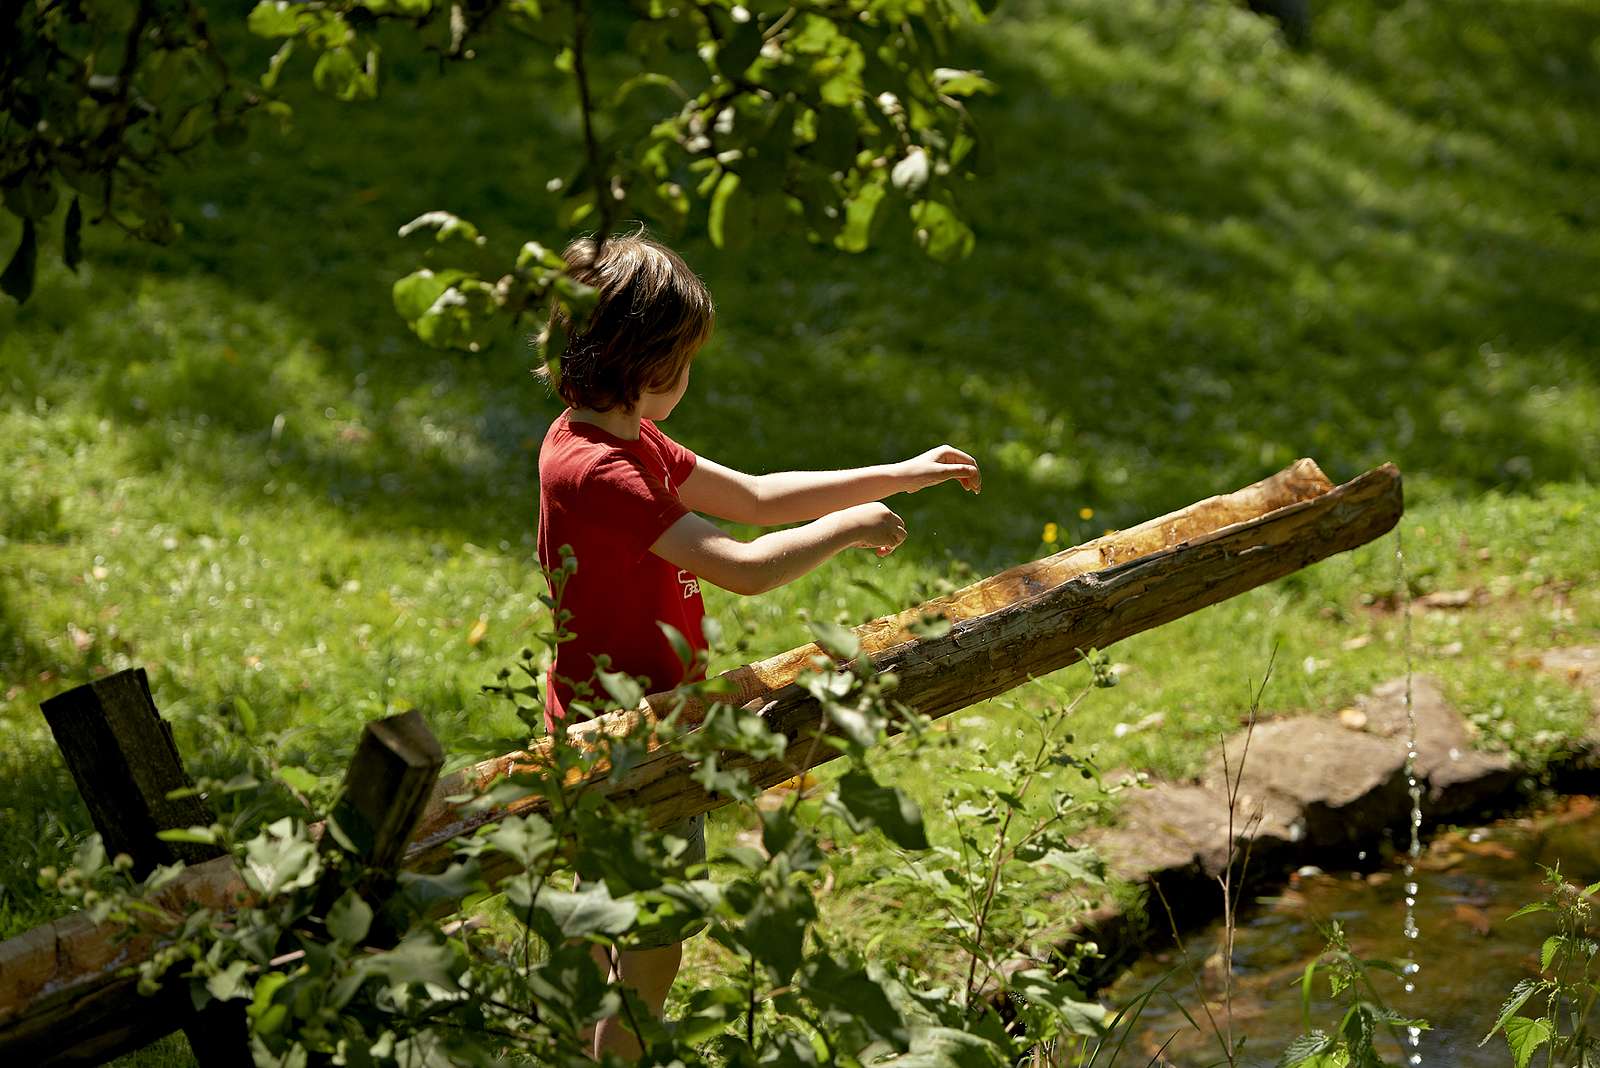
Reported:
(1567, 985)
(336, 962)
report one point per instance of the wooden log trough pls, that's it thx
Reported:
(63, 988)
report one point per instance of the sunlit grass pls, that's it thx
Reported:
(1201, 256)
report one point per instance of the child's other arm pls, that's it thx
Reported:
(750, 567)
(796, 496)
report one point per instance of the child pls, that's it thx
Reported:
(624, 496)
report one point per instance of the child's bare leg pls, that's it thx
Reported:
(648, 973)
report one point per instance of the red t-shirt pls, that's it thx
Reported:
(610, 499)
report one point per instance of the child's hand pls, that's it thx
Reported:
(872, 526)
(940, 465)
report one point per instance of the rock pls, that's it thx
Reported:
(1352, 718)
(1177, 826)
(1346, 784)
(1459, 777)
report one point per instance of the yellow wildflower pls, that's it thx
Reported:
(1086, 513)
(1049, 534)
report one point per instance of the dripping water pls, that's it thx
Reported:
(1414, 850)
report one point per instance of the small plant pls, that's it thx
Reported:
(332, 960)
(1351, 1044)
(1567, 984)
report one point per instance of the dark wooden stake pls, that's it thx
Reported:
(386, 789)
(125, 762)
(121, 755)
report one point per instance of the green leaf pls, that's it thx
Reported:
(532, 254)
(267, 1012)
(860, 215)
(1519, 997)
(423, 893)
(741, 43)
(623, 689)
(953, 82)
(846, 992)
(890, 809)
(775, 930)
(417, 292)
(525, 839)
(590, 910)
(732, 219)
(836, 141)
(350, 918)
(269, 77)
(1528, 910)
(279, 18)
(940, 231)
(17, 280)
(837, 641)
(680, 644)
(341, 73)
(1525, 1035)
(72, 237)
(281, 858)
(1548, 951)
(422, 958)
(1304, 1049)
(1078, 1015)
(299, 779)
(197, 835)
(230, 983)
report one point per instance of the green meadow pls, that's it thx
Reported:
(1201, 255)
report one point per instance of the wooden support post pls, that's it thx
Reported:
(125, 762)
(121, 755)
(386, 789)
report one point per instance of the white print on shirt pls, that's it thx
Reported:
(691, 585)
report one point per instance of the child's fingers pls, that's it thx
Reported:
(967, 474)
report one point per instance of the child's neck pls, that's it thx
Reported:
(618, 422)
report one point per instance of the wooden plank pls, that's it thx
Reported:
(122, 756)
(1195, 563)
(67, 1022)
(985, 655)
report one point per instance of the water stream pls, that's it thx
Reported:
(1411, 965)
(1455, 903)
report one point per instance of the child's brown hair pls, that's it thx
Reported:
(652, 316)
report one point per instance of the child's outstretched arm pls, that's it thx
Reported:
(750, 567)
(795, 496)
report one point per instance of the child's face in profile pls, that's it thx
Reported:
(657, 406)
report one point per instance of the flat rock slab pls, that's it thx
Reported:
(1311, 786)
(1458, 777)
(1175, 827)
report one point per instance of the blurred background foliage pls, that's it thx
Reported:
(1201, 254)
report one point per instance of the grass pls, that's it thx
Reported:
(1201, 255)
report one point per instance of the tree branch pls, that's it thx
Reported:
(603, 200)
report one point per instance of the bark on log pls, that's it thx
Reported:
(1019, 625)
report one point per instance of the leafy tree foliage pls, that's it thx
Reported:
(831, 117)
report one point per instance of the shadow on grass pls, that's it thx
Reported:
(1201, 256)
